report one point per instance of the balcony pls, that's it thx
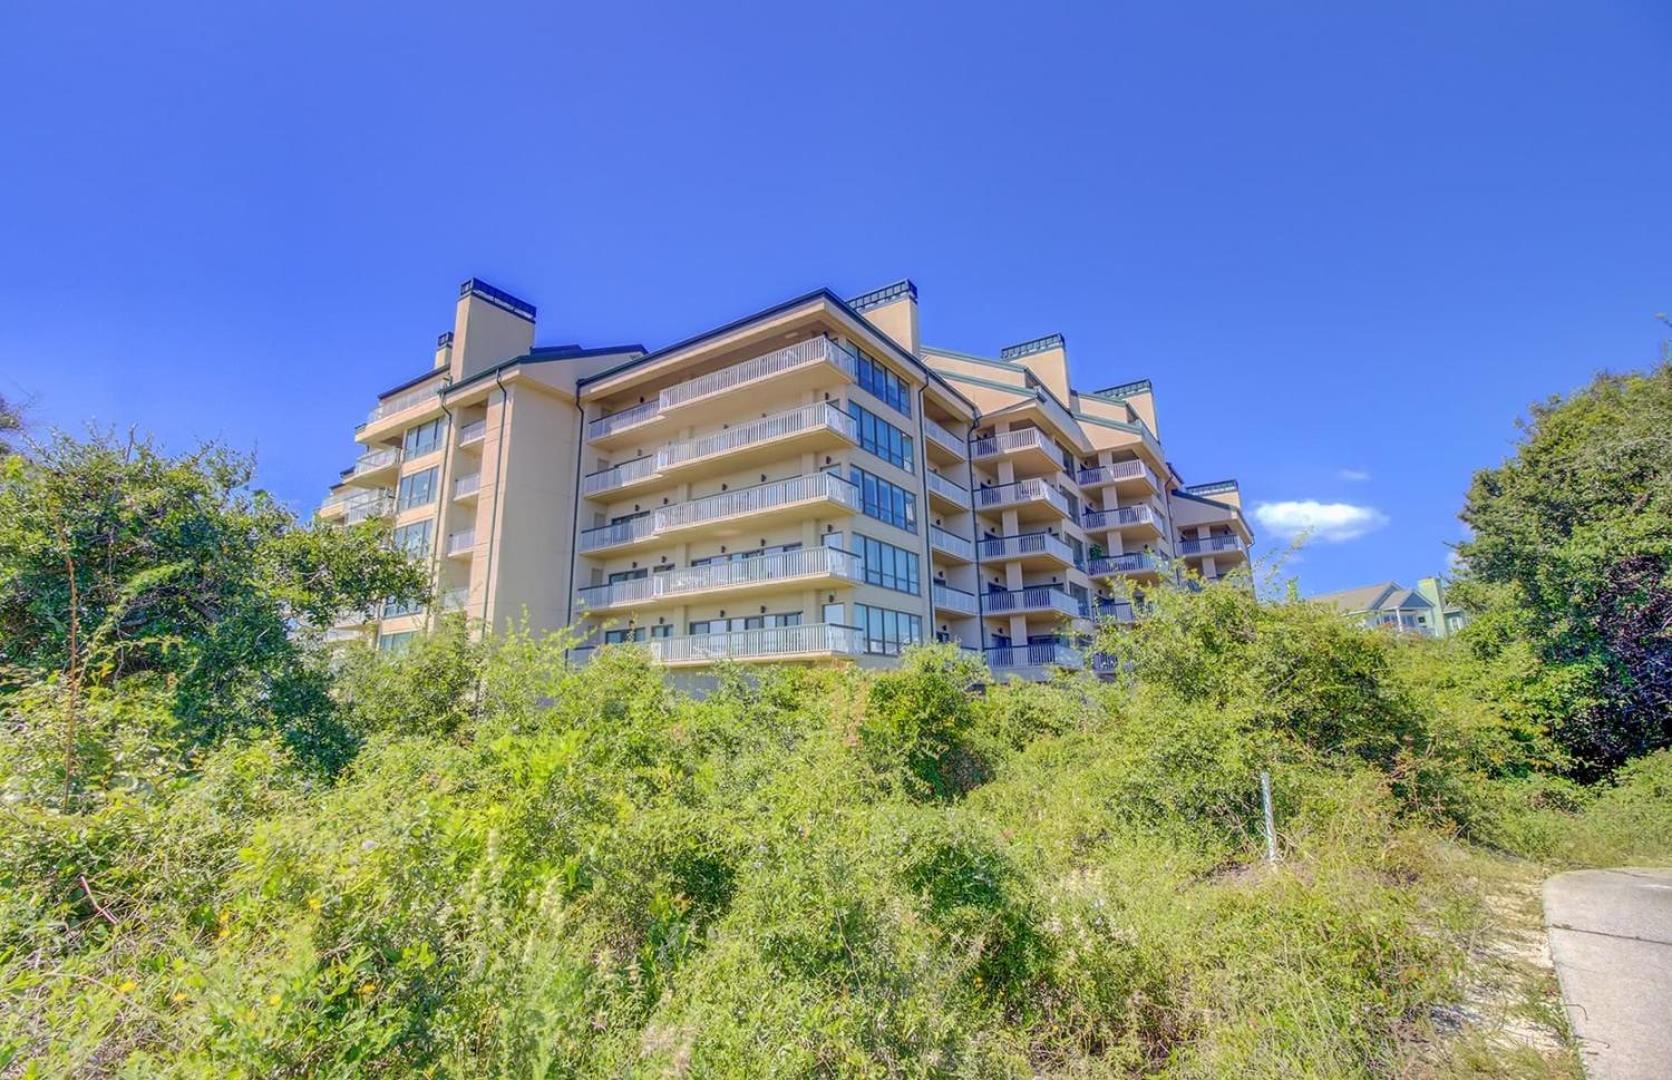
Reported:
(813, 641)
(1135, 564)
(467, 487)
(1033, 500)
(805, 565)
(954, 601)
(472, 433)
(454, 599)
(1033, 661)
(429, 395)
(1030, 451)
(461, 544)
(1035, 599)
(956, 548)
(795, 367)
(1229, 545)
(1035, 551)
(1138, 522)
(1120, 611)
(375, 465)
(953, 496)
(813, 495)
(808, 427)
(944, 446)
(333, 506)
(364, 505)
(1128, 478)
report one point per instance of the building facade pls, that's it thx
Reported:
(809, 483)
(1423, 610)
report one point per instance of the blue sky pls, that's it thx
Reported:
(1349, 243)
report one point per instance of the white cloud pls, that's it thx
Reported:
(1354, 476)
(1331, 523)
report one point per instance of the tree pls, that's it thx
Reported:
(11, 422)
(118, 562)
(1572, 552)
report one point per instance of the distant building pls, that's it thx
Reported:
(1422, 610)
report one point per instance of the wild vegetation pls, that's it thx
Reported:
(231, 851)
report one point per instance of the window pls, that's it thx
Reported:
(393, 643)
(414, 539)
(424, 437)
(742, 556)
(637, 633)
(882, 384)
(877, 436)
(628, 575)
(889, 503)
(886, 565)
(888, 631)
(416, 489)
(395, 608)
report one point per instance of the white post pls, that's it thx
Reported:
(1271, 824)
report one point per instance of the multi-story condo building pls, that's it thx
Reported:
(810, 482)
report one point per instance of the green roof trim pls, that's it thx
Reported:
(954, 354)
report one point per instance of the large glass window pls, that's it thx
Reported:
(394, 643)
(882, 384)
(886, 565)
(889, 503)
(888, 631)
(414, 539)
(879, 437)
(423, 438)
(416, 489)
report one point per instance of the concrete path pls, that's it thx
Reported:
(1611, 940)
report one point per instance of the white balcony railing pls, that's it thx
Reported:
(1023, 491)
(775, 642)
(1137, 562)
(1119, 470)
(473, 432)
(1045, 654)
(766, 429)
(1120, 517)
(804, 563)
(998, 548)
(461, 542)
(376, 460)
(368, 504)
(1033, 598)
(625, 420)
(1210, 545)
(945, 438)
(455, 599)
(945, 488)
(619, 476)
(466, 486)
(790, 358)
(762, 498)
(951, 543)
(1010, 442)
(947, 598)
(401, 403)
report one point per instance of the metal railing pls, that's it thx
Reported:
(1119, 470)
(940, 435)
(940, 485)
(948, 598)
(811, 639)
(951, 543)
(1014, 547)
(617, 533)
(374, 460)
(784, 566)
(1009, 442)
(725, 505)
(766, 429)
(618, 476)
(475, 431)
(1050, 654)
(802, 354)
(642, 413)
(368, 504)
(1120, 516)
(1032, 598)
(1034, 490)
(1211, 544)
(401, 403)
(1132, 563)
(467, 485)
(455, 599)
(461, 542)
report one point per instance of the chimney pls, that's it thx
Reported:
(444, 350)
(893, 310)
(1047, 358)
(1139, 396)
(489, 327)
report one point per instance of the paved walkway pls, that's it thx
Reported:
(1611, 940)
